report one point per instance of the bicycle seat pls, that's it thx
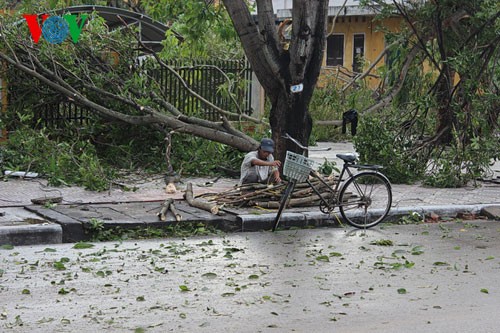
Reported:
(349, 158)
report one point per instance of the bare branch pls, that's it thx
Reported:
(188, 88)
(399, 85)
(332, 28)
(374, 63)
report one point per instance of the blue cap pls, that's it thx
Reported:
(267, 145)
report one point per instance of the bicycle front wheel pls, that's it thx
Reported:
(365, 199)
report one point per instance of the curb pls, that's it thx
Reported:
(251, 222)
(65, 229)
(442, 210)
(47, 233)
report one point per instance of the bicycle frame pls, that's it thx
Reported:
(363, 216)
(336, 190)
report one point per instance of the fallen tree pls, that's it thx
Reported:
(102, 73)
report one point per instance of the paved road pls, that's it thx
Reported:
(434, 278)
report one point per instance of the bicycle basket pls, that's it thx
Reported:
(297, 166)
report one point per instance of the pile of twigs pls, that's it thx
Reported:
(268, 196)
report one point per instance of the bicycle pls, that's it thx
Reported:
(364, 200)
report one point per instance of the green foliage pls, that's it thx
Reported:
(93, 162)
(99, 233)
(197, 156)
(206, 29)
(412, 218)
(325, 104)
(378, 142)
(132, 147)
(444, 121)
(328, 167)
(328, 103)
(87, 155)
(61, 162)
(457, 165)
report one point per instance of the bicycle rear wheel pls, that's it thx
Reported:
(283, 202)
(365, 199)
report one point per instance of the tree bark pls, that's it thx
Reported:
(278, 69)
(198, 203)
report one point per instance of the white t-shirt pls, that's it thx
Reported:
(263, 171)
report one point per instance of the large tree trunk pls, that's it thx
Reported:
(278, 68)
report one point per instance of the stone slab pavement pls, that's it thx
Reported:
(26, 223)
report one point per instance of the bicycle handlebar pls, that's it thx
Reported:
(287, 136)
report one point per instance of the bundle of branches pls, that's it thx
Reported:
(268, 196)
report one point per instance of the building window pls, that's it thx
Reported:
(335, 50)
(358, 52)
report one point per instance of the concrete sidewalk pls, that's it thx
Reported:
(137, 200)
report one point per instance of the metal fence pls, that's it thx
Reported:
(58, 115)
(209, 79)
(212, 80)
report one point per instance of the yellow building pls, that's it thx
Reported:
(354, 42)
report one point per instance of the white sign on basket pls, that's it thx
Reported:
(297, 88)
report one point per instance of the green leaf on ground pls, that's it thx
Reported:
(209, 275)
(184, 288)
(382, 242)
(402, 291)
(83, 245)
(323, 258)
(441, 263)
(59, 266)
(417, 250)
(63, 291)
